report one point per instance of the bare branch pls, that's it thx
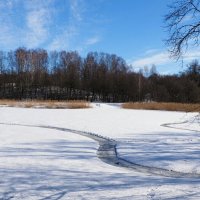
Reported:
(183, 25)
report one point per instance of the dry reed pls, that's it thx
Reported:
(76, 104)
(163, 106)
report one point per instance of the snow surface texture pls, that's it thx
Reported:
(38, 163)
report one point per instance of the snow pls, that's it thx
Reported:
(39, 163)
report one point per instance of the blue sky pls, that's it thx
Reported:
(132, 29)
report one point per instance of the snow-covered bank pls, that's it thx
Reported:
(39, 163)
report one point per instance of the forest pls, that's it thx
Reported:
(65, 75)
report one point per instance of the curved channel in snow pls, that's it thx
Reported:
(193, 120)
(107, 152)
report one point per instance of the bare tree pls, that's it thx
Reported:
(183, 24)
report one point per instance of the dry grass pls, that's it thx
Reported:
(163, 106)
(76, 104)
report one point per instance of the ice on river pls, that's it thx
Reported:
(38, 163)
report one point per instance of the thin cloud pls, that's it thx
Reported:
(70, 31)
(70, 36)
(6, 39)
(191, 55)
(63, 41)
(37, 31)
(38, 21)
(164, 62)
(7, 26)
(24, 23)
(157, 59)
(34, 24)
(76, 7)
(8, 3)
(92, 40)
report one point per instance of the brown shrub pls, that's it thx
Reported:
(163, 106)
(76, 104)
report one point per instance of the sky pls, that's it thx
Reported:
(132, 29)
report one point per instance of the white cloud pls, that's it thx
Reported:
(187, 18)
(37, 27)
(24, 23)
(191, 55)
(8, 33)
(8, 4)
(6, 39)
(163, 57)
(163, 61)
(69, 37)
(63, 40)
(151, 51)
(30, 23)
(76, 7)
(157, 59)
(92, 40)
(38, 20)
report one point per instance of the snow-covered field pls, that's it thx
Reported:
(39, 163)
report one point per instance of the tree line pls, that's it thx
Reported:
(65, 75)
